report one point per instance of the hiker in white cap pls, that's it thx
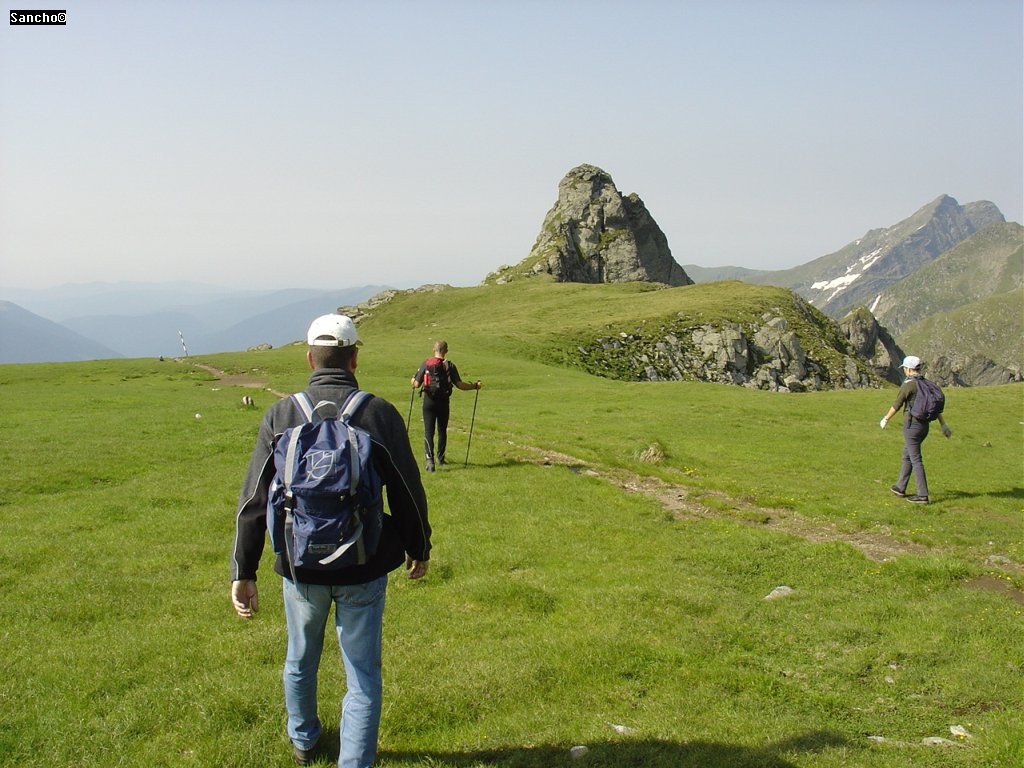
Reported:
(923, 402)
(356, 592)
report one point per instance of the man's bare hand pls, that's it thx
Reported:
(245, 597)
(416, 569)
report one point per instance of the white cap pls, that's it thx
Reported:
(340, 329)
(911, 362)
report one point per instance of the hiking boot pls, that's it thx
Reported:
(917, 499)
(897, 491)
(430, 465)
(304, 756)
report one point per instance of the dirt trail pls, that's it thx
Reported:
(687, 503)
(233, 380)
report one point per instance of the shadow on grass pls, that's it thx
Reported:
(1012, 493)
(629, 753)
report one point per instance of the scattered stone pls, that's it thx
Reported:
(622, 728)
(578, 752)
(938, 741)
(960, 732)
(778, 592)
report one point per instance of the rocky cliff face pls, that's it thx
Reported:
(790, 347)
(976, 371)
(873, 343)
(593, 234)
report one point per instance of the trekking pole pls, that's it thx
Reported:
(471, 423)
(408, 419)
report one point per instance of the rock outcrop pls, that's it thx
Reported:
(593, 234)
(786, 349)
(974, 371)
(874, 344)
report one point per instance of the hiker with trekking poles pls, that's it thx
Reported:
(436, 378)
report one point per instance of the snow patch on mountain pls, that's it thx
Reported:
(840, 284)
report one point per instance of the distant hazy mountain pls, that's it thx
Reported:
(285, 323)
(28, 338)
(715, 274)
(144, 319)
(861, 271)
(62, 302)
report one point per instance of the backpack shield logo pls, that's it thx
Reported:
(319, 465)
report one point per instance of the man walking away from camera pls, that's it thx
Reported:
(437, 376)
(915, 431)
(356, 591)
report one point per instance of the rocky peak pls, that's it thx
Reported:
(594, 234)
(859, 272)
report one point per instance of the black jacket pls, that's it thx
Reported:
(406, 529)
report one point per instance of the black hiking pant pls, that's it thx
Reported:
(435, 418)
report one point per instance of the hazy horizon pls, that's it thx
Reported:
(260, 145)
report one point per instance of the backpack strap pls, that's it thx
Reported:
(352, 404)
(305, 404)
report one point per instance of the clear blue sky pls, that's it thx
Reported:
(350, 143)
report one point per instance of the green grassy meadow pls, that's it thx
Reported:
(567, 604)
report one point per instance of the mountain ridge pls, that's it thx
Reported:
(855, 274)
(26, 337)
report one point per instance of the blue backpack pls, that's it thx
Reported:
(929, 401)
(325, 510)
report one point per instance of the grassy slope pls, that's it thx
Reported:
(548, 322)
(992, 328)
(984, 265)
(556, 606)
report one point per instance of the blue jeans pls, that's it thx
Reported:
(358, 618)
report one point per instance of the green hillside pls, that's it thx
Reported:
(992, 328)
(988, 263)
(571, 324)
(600, 567)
